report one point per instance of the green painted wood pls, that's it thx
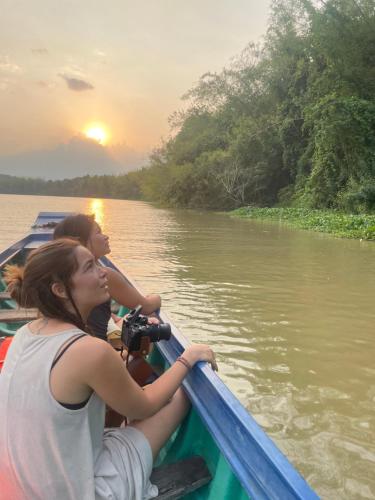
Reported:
(192, 438)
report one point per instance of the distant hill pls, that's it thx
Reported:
(77, 158)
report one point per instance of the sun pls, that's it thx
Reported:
(97, 133)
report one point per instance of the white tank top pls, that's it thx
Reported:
(46, 451)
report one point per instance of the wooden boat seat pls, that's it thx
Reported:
(18, 315)
(5, 296)
(180, 478)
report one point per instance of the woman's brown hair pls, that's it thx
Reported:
(31, 286)
(75, 226)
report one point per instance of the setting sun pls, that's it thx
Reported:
(98, 133)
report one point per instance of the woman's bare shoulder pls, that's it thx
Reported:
(91, 350)
(117, 281)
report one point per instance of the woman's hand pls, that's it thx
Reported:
(152, 320)
(200, 352)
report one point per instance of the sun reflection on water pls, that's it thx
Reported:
(96, 207)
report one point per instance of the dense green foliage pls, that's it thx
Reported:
(100, 186)
(290, 123)
(336, 223)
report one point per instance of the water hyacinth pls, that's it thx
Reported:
(326, 221)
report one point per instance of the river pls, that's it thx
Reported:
(290, 314)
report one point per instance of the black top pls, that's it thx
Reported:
(98, 320)
(70, 406)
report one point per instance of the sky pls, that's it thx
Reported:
(69, 68)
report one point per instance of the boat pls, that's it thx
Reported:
(242, 461)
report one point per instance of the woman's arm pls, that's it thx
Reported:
(93, 363)
(109, 378)
(124, 293)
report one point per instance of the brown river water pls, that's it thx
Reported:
(290, 314)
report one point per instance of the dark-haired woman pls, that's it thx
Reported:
(55, 383)
(88, 232)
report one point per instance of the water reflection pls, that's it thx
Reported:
(289, 313)
(96, 208)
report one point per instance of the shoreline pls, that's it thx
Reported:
(339, 224)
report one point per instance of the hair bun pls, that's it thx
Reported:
(13, 276)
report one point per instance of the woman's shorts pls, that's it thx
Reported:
(123, 468)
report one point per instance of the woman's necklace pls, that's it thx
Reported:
(43, 324)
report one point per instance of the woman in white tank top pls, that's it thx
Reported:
(56, 381)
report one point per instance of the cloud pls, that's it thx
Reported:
(40, 52)
(128, 157)
(78, 157)
(76, 84)
(7, 66)
(45, 84)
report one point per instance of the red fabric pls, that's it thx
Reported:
(4, 346)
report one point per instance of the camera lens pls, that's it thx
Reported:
(159, 332)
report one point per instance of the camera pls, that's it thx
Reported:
(135, 327)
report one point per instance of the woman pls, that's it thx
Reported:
(88, 232)
(56, 381)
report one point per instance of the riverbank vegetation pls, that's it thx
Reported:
(290, 123)
(125, 187)
(333, 222)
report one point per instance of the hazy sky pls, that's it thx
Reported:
(123, 63)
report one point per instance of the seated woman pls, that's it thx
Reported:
(88, 232)
(55, 383)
